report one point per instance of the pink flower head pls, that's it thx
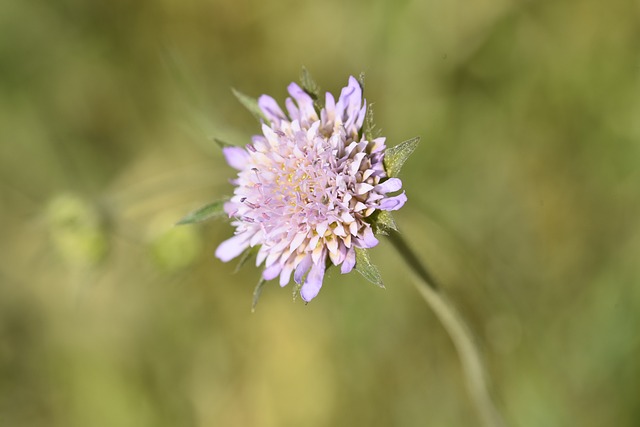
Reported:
(307, 187)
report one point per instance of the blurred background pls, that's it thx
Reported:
(523, 199)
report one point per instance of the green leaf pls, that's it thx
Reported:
(222, 144)
(309, 85)
(361, 80)
(395, 157)
(246, 255)
(383, 223)
(250, 104)
(366, 268)
(257, 291)
(210, 211)
(296, 290)
(369, 129)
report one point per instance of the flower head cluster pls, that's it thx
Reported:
(307, 188)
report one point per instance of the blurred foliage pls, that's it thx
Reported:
(523, 199)
(76, 231)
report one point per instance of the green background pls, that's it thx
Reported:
(523, 199)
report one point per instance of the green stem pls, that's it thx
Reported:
(472, 366)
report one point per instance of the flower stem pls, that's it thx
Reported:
(472, 365)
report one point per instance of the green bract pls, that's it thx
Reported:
(209, 211)
(366, 268)
(395, 157)
(250, 104)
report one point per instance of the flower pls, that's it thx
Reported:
(307, 188)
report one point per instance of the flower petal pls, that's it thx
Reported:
(271, 109)
(329, 111)
(313, 283)
(299, 95)
(338, 255)
(389, 186)
(285, 275)
(361, 115)
(363, 188)
(350, 100)
(236, 157)
(297, 241)
(272, 272)
(367, 240)
(393, 203)
(302, 269)
(231, 248)
(349, 262)
(292, 109)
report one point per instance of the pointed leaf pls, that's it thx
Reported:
(366, 268)
(312, 89)
(250, 104)
(395, 157)
(246, 255)
(309, 85)
(369, 129)
(361, 80)
(257, 291)
(222, 144)
(296, 290)
(383, 223)
(210, 211)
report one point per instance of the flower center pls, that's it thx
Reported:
(300, 188)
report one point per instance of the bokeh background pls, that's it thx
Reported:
(523, 199)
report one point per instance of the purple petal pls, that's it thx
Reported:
(297, 241)
(363, 187)
(313, 283)
(262, 254)
(362, 115)
(285, 275)
(301, 97)
(272, 272)
(368, 240)
(232, 247)
(302, 269)
(338, 255)
(349, 262)
(354, 167)
(293, 111)
(304, 101)
(393, 203)
(271, 109)
(350, 101)
(236, 157)
(231, 208)
(378, 145)
(330, 105)
(389, 186)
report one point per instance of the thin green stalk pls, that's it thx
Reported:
(472, 366)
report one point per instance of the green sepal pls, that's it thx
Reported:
(383, 223)
(366, 268)
(369, 129)
(361, 80)
(395, 157)
(309, 85)
(257, 291)
(209, 211)
(222, 144)
(250, 104)
(312, 89)
(246, 255)
(296, 290)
